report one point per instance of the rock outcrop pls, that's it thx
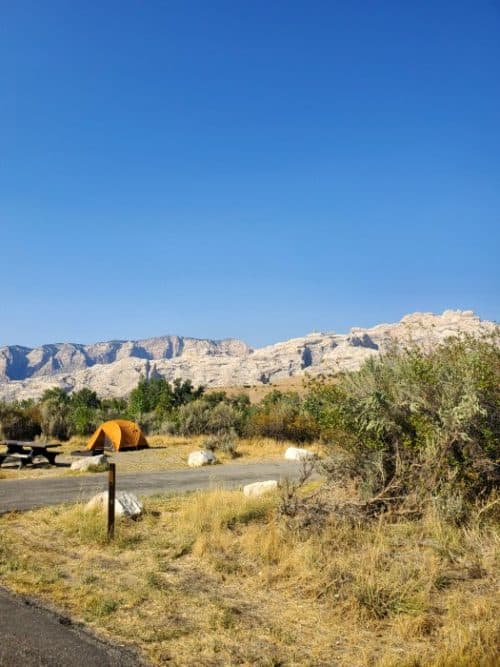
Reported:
(114, 368)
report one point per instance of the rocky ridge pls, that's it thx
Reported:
(113, 368)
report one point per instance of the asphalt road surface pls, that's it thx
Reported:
(32, 636)
(25, 494)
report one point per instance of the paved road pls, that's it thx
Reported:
(25, 494)
(32, 636)
(35, 637)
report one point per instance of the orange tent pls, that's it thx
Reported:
(120, 433)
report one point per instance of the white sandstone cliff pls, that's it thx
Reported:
(114, 368)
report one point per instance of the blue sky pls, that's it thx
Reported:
(248, 169)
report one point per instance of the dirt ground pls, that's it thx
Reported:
(166, 452)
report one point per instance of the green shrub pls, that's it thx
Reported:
(223, 442)
(19, 424)
(417, 425)
(193, 418)
(205, 416)
(281, 415)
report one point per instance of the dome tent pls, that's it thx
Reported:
(120, 433)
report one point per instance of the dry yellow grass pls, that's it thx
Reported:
(166, 452)
(215, 578)
(257, 392)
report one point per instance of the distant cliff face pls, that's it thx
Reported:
(22, 363)
(113, 368)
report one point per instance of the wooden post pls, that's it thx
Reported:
(111, 500)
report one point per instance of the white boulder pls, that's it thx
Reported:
(126, 504)
(260, 488)
(298, 454)
(203, 457)
(85, 462)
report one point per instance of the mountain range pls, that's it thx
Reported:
(113, 368)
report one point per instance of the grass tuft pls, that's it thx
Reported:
(215, 578)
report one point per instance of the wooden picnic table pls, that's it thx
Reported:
(24, 452)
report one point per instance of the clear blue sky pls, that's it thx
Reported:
(249, 169)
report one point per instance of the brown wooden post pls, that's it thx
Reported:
(111, 500)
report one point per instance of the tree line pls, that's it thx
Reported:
(410, 423)
(159, 406)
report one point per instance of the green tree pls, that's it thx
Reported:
(183, 392)
(138, 402)
(83, 419)
(156, 400)
(85, 398)
(55, 394)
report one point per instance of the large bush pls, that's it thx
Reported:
(211, 416)
(281, 415)
(19, 423)
(417, 425)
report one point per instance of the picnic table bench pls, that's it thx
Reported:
(25, 452)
